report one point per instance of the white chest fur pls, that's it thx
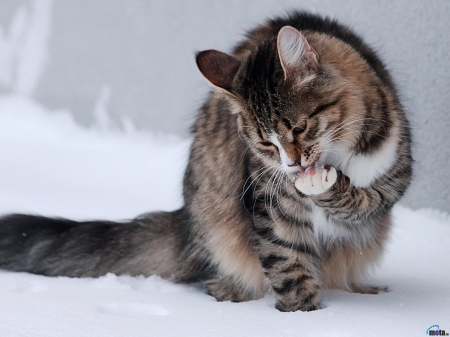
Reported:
(326, 232)
(364, 169)
(324, 229)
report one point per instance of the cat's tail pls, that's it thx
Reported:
(149, 244)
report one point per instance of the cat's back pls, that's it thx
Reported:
(304, 21)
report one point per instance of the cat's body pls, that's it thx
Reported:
(298, 157)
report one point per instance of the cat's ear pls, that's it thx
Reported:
(296, 54)
(218, 68)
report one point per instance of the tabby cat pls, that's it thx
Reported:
(299, 153)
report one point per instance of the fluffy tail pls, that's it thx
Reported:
(149, 244)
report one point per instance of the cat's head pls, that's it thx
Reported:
(299, 98)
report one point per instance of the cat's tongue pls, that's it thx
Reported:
(312, 169)
(309, 170)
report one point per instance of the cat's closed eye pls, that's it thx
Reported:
(298, 131)
(266, 144)
(324, 107)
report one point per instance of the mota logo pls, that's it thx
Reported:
(435, 331)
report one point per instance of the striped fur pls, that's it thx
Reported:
(287, 101)
(341, 111)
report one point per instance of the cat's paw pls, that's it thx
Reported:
(371, 290)
(224, 289)
(302, 307)
(316, 180)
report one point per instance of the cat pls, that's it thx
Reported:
(299, 154)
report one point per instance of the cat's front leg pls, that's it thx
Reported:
(291, 269)
(332, 191)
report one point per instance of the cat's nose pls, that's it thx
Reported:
(296, 163)
(304, 163)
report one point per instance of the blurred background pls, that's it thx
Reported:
(129, 65)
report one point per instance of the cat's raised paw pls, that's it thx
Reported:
(316, 179)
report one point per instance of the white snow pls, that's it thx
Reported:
(52, 167)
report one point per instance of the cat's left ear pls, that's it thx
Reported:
(218, 68)
(296, 54)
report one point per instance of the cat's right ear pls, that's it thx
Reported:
(297, 56)
(218, 68)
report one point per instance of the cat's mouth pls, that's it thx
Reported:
(300, 169)
(303, 168)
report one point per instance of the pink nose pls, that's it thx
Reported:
(296, 163)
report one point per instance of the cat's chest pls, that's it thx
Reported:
(327, 231)
(324, 228)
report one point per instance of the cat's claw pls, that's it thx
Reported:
(316, 179)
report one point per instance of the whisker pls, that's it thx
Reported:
(265, 168)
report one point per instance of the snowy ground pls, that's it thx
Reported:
(52, 167)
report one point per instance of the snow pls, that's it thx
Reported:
(53, 167)
(94, 174)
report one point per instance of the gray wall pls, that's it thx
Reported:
(130, 63)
